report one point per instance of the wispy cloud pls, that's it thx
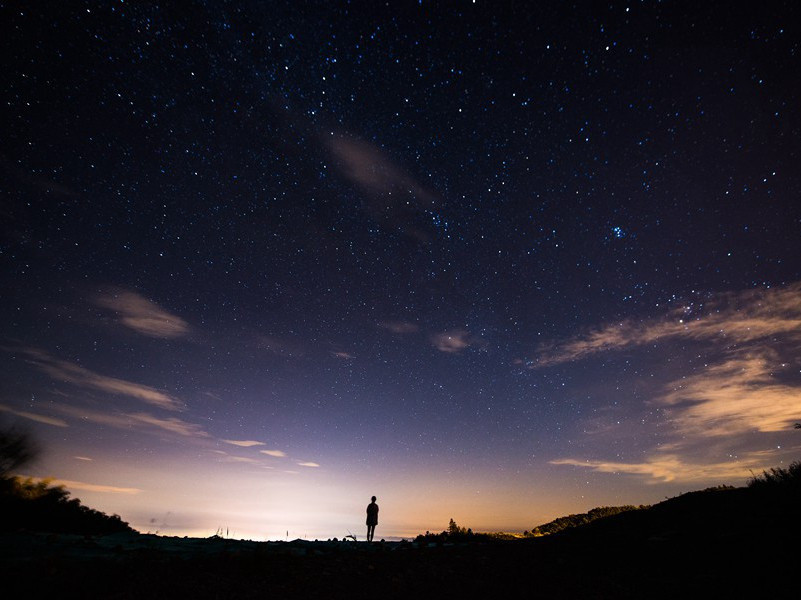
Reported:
(88, 487)
(735, 318)
(393, 196)
(34, 416)
(86, 458)
(671, 467)
(137, 420)
(170, 424)
(244, 443)
(399, 327)
(745, 395)
(276, 453)
(142, 315)
(63, 370)
(452, 341)
(308, 464)
(738, 396)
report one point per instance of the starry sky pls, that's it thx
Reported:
(490, 261)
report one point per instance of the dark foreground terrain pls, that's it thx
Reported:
(716, 543)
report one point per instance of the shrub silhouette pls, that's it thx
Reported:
(31, 505)
(17, 448)
(778, 477)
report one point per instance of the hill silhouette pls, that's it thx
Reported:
(719, 542)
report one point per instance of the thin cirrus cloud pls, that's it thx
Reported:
(34, 416)
(308, 464)
(244, 443)
(135, 420)
(89, 487)
(399, 327)
(393, 196)
(452, 342)
(63, 370)
(275, 453)
(142, 315)
(737, 317)
(665, 468)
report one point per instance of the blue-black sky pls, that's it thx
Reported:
(490, 261)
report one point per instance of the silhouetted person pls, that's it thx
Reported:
(372, 519)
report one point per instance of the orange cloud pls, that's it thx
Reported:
(738, 396)
(244, 443)
(276, 453)
(87, 487)
(674, 468)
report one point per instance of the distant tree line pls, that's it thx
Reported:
(569, 521)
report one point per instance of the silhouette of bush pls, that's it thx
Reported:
(778, 477)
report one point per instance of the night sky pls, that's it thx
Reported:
(491, 261)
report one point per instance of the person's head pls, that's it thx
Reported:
(373, 498)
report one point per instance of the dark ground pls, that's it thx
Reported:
(729, 543)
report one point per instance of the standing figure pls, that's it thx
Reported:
(372, 519)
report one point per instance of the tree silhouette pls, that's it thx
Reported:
(16, 449)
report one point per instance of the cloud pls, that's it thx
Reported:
(674, 468)
(399, 327)
(86, 458)
(88, 487)
(239, 459)
(139, 420)
(308, 464)
(276, 453)
(452, 341)
(244, 443)
(738, 396)
(34, 416)
(393, 197)
(746, 394)
(735, 318)
(142, 315)
(170, 424)
(63, 370)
